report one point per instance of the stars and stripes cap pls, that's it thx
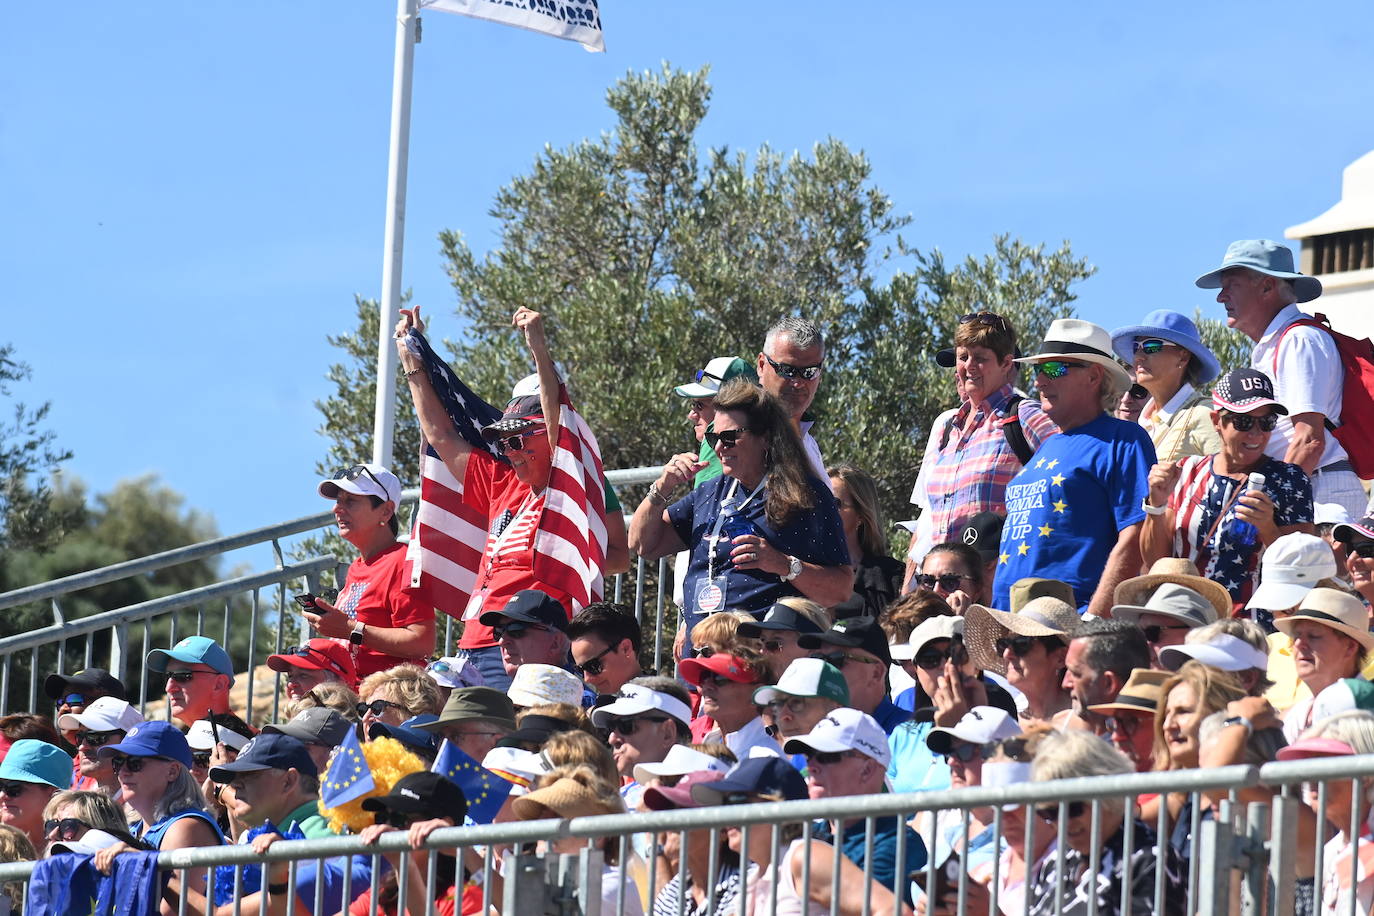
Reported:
(1243, 390)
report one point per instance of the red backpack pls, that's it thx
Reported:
(1357, 394)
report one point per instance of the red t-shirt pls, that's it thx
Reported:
(375, 593)
(507, 567)
(446, 905)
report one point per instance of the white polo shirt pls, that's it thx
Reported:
(1308, 380)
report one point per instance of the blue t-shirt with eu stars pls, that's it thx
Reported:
(1069, 503)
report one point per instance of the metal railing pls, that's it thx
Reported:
(1243, 857)
(259, 601)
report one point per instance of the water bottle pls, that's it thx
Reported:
(1242, 533)
(735, 524)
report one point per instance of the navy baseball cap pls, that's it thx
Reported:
(529, 606)
(851, 633)
(779, 617)
(268, 751)
(409, 734)
(151, 739)
(753, 776)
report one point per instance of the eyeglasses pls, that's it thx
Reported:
(963, 752)
(809, 373)
(1155, 630)
(97, 739)
(132, 764)
(795, 705)
(200, 758)
(1152, 345)
(1051, 812)
(594, 665)
(1364, 549)
(1056, 368)
(987, 320)
(826, 758)
(377, 707)
(772, 645)
(1243, 423)
(14, 789)
(312, 652)
(516, 629)
(627, 725)
(68, 828)
(185, 677)
(727, 437)
(840, 659)
(1019, 645)
(1127, 725)
(955, 652)
(948, 581)
(697, 405)
(517, 443)
(353, 473)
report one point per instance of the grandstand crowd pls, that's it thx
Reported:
(1150, 562)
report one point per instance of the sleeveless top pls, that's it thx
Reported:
(153, 835)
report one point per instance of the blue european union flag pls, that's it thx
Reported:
(484, 790)
(349, 776)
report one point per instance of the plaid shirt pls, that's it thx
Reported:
(969, 473)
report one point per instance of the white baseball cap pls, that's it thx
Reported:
(1223, 651)
(103, 714)
(635, 699)
(201, 737)
(807, 677)
(1290, 568)
(844, 729)
(451, 671)
(364, 480)
(91, 842)
(979, 725)
(945, 626)
(519, 767)
(535, 684)
(680, 761)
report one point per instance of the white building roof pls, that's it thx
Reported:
(1355, 209)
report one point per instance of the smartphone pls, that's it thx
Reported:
(306, 601)
(946, 880)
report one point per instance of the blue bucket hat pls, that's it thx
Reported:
(409, 733)
(193, 650)
(1266, 257)
(1176, 328)
(151, 739)
(30, 760)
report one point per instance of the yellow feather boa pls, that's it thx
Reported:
(389, 761)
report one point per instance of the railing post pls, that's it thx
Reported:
(526, 890)
(1216, 859)
(119, 650)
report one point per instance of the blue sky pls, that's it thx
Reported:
(192, 193)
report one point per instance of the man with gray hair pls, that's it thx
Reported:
(789, 368)
(1260, 290)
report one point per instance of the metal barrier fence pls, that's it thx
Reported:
(1245, 858)
(260, 601)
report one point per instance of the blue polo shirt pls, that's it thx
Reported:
(884, 867)
(889, 715)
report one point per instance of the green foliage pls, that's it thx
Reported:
(1232, 348)
(28, 454)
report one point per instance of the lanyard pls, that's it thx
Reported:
(714, 537)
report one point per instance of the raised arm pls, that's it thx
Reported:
(532, 324)
(435, 424)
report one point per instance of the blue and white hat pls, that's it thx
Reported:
(1266, 257)
(1174, 327)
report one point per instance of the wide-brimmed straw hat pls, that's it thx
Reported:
(983, 626)
(1082, 341)
(1338, 610)
(565, 798)
(1137, 591)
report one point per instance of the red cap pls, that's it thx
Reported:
(318, 655)
(730, 667)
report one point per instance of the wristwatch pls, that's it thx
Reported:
(356, 637)
(1239, 720)
(794, 568)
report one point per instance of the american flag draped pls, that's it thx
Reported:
(450, 533)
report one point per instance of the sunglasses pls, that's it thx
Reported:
(594, 665)
(516, 629)
(697, 405)
(1051, 812)
(1152, 345)
(930, 659)
(73, 699)
(377, 707)
(14, 789)
(987, 320)
(68, 828)
(711, 679)
(185, 677)
(1364, 549)
(948, 581)
(775, 645)
(200, 758)
(1057, 368)
(703, 651)
(795, 705)
(964, 752)
(1019, 645)
(1155, 630)
(516, 443)
(1016, 748)
(395, 819)
(97, 739)
(131, 764)
(728, 437)
(808, 373)
(1244, 422)
(840, 659)
(1126, 725)
(626, 726)
(353, 473)
(312, 652)
(826, 758)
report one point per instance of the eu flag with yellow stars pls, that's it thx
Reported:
(349, 776)
(484, 790)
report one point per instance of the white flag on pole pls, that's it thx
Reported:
(574, 20)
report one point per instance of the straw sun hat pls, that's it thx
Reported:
(1038, 617)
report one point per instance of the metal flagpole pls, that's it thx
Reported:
(407, 12)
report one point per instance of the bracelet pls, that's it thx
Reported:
(655, 496)
(1152, 510)
(416, 371)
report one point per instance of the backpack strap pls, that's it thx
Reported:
(1013, 431)
(1320, 321)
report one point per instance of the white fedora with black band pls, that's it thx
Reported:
(1083, 341)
